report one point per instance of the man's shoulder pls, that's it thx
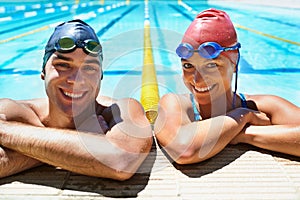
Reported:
(26, 111)
(28, 102)
(34, 101)
(39, 103)
(105, 100)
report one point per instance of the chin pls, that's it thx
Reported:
(71, 111)
(203, 101)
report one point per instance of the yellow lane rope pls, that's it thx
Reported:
(149, 91)
(24, 34)
(267, 35)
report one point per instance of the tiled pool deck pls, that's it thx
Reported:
(238, 172)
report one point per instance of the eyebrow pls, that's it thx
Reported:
(66, 58)
(61, 56)
(93, 61)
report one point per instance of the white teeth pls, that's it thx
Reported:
(204, 89)
(72, 95)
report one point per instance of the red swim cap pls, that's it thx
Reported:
(211, 26)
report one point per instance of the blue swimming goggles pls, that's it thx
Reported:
(68, 44)
(208, 50)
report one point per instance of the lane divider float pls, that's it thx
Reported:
(149, 91)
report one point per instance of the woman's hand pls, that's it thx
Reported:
(252, 117)
(248, 116)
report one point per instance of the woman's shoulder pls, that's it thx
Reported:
(174, 100)
(171, 96)
(265, 98)
(269, 102)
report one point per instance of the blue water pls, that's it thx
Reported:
(269, 59)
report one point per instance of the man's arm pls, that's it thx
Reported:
(191, 142)
(283, 136)
(12, 162)
(117, 155)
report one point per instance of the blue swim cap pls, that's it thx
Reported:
(76, 29)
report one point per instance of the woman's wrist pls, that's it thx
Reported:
(240, 115)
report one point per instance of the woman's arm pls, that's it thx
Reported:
(191, 142)
(280, 138)
(284, 135)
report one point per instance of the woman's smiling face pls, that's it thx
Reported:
(207, 79)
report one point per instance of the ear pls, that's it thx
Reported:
(234, 68)
(101, 71)
(43, 75)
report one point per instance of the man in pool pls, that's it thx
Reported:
(74, 128)
(195, 127)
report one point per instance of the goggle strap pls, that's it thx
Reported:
(236, 79)
(237, 46)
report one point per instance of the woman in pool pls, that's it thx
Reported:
(194, 127)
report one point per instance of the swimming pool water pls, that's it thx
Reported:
(269, 37)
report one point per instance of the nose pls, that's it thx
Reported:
(75, 77)
(198, 75)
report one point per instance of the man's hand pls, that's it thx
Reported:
(2, 117)
(103, 124)
(95, 124)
